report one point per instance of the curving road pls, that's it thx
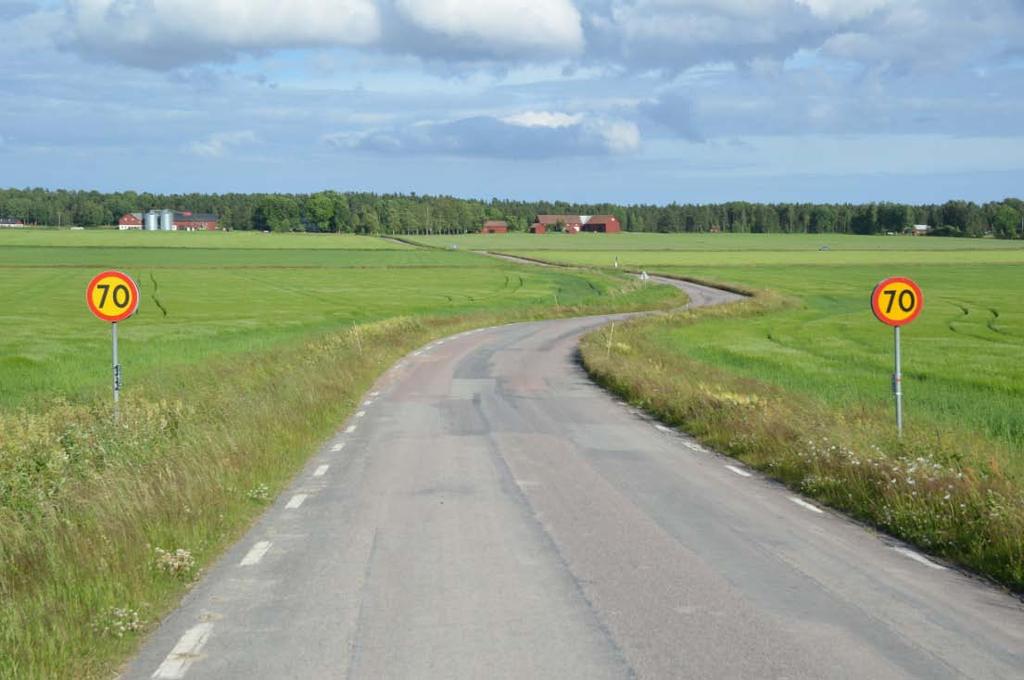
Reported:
(490, 513)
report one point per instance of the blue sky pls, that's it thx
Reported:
(589, 100)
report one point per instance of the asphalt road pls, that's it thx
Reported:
(489, 513)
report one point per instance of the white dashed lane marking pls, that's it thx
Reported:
(921, 559)
(255, 554)
(321, 471)
(350, 429)
(296, 501)
(338, 447)
(740, 471)
(360, 414)
(184, 653)
(804, 504)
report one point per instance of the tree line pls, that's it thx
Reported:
(369, 213)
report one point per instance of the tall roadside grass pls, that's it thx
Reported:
(103, 525)
(943, 489)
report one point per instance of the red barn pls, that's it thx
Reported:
(574, 224)
(570, 223)
(130, 221)
(538, 228)
(188, 221)
(603, 224)
(494, 227)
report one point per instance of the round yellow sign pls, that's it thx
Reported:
(112, 296)
(897, 301)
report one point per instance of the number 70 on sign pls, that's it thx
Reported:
(896, 302)
(113, 297)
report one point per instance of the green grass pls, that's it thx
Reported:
(734, 243)
(240, 363)
(202, 302)
(249, 240)
(962, 356)
(796, 381)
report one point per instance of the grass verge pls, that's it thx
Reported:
(940, 488)
(103, 526)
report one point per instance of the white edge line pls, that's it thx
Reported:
(255, 554)
(740, 471)
(374, 394)
(360, 414)
(350, 429)
(184, 653)
(804, 504)
(296, 501)
(338, 447)
(906, 552)
(321, 471)
(662, 428)
(368, 402)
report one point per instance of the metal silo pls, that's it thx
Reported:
(167, 220)
(152, 220)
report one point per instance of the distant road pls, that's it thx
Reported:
(490, 513)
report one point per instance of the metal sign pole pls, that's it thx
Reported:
(117, 375)
(897, 383)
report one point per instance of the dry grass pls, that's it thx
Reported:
(941, 489)
(103, 525)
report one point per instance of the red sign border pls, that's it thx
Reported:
(877, 293)
(129, 281)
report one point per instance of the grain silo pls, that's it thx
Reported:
(152, 220)
(167, 220)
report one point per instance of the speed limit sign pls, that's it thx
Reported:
(112, 297)
(896, 302)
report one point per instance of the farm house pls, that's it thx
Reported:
(574, 224)
(494, 227)
(168, 220)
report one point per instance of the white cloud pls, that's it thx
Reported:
(500, 27)
(844, 10)
(174, 32)
(619, 136)
(674, 35)
(217, 144)
(548, 119)
(488, 136)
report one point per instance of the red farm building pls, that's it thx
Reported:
(494, 227)
(168, 220)
(574, 224)
(189, 221)
(130, 221)
(602, 224)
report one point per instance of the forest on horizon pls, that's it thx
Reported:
(371, 213)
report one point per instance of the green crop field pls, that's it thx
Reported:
(206, 294)
(963, 356)
(796, 380)
(247, 351)
(247, 240)
(618, 243)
